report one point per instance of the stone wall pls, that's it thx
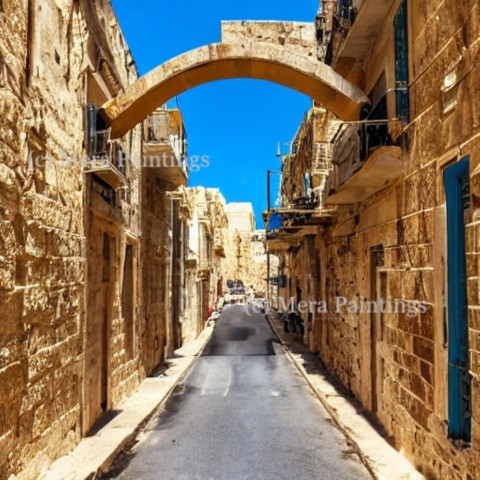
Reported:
(155, 258)
(45, 49)
(296, 36)
(393, 245)
(207, 257)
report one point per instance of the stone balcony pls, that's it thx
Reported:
(282, 243)
(295, 224)
(108, 162)
(165, 146)
(366, 160)
(218, 243)
(105, 158)
(358, 24)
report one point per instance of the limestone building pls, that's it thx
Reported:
(393, 217)
(70, 228)
(93, 244)
(107, 264)
(247, 260)
(207, 252)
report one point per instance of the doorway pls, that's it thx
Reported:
(101, 273)
(378, 291)
(128, 302)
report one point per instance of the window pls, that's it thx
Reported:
(401, 62)
(457, 191)
(306, 184)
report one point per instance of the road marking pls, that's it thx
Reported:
(206, 381)
(225, 393)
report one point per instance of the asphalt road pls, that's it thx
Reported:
(242, 413)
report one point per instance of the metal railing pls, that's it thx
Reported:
(162, 127)
(346, 10)
(367, 135)
(356, 141)
(105, 153)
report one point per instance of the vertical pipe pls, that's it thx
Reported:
(268, 190)
(266, 234)
(268, 277)
(30, 35)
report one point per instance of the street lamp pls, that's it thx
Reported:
(269, 173)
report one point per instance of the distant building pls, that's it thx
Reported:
(247, 260)
(240, 216)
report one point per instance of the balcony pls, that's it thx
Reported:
(282, 243)
(288, 225)
(366, 158)
(218, 243)
(165, 146)
(359, 21)
(107, 161)
(191, 259)
(204, 270)
(105, 158)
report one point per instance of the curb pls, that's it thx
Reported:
(379, 457)
(64, 468)
(324, 402)
(105, 467)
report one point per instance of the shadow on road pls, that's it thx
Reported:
(237, 333)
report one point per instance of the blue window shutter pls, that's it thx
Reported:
(401, 62)
(457, 181)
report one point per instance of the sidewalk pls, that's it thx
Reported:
(95, 454)
(382, 460)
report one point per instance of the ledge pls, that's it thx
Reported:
(300, 230)
(364, 30)
(108, 173)
(163, 158)
(283, 242)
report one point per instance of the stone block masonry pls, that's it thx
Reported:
(393, 243)
(49, 52)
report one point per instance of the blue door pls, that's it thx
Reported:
(457, 190)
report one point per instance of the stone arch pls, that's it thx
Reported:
(257, 60)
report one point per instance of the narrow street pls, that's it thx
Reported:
(242, 413)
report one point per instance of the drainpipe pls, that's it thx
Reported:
(169, 326)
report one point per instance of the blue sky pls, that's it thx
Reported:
(237, 123)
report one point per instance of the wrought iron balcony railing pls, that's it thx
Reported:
(376, 144)
(166, 127)
(165, 143)
(356, 141)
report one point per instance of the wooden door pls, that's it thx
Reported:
(99, 299)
